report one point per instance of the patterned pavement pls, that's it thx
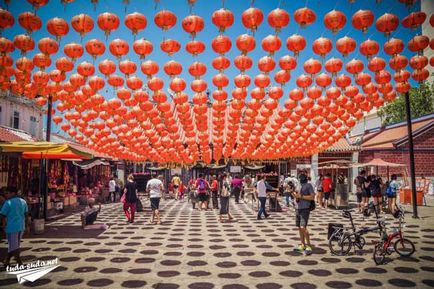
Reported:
(191, 249)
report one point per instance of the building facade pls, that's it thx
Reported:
(21, 114)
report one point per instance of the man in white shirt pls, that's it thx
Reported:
(155, 189)
(112, 190)
(261, 190)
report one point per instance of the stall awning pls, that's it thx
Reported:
(44, 150)
(378, 163)
(85, 165)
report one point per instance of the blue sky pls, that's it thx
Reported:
(205, 8)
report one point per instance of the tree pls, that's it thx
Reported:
(421, 103)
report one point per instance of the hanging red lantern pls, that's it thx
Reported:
(172, 68)
(282, 76)
(393, 46)
(257, 93)
(177, 84)
(134, 82)
(287, 62)
(408, 3)
(6, 46)
(198, 85)
(351, 91)
(221, 44)
(369, 48)
(85, 69)
(376, 64)
(333, 65)
(414, 20)
(262, 80)
(143, 47)
(278, 19)
(220, 80)
(223, 19)
(30, 21)
(6, 19)
(193, 24)
(271, 44)
(335, 20)
(345, 45)
(383, 77)
(127, 67)
(363, 78)
(24, 64)
(220, 95)
(165, 19)
(73, 50)
(221, 63)
(170, 46)
(304, 16)
(245, 43)
(303, 81)
(115, 80)
(323, 80)
(402, 87)
(37, 3)
(314, 92)
(57, 27)
(41, 60)
(398, 62)
(295, 43)
(108, 22)
(24, 43)
(387, 23)
(239, 93)
(354, 66)
(48, 46)
(312, 66)
(252, 18)
(95, 48)
(362, 20)
(107, 67)
(418, 43)
(296, 94)
(119, 47)
(136, 22)
(155, 83)
(195, 47)
(420, 75)
(322, 46)
(418, 62)
(242, 80)
(82, 23)
(96, 83)
(266, 64)
(64, 64)
(343, 81)
(431, 20)
(401, 76)
(149, 68)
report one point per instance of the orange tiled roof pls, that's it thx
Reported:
(342, 146)
(88, 150)
(11, 135)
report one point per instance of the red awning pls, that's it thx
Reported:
(51, 155)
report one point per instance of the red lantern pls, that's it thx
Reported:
(245, 43)
(304, 16)
(398, 62)
(401, 76)
(369, 48)
(431, 20)
(48, 46)
(278, 19)
(420, 75)
(193, 24)
(312, 66)
(304, 81)
(323, 80)
(221, 44)
(333, 65)
(108, 22)
(418, 62)
(221, 63)
(418, 43)
(143, 47)
(82, 23)
(393, 46)
(41, 60)
(296, 43)
(414, 20)
(363, 78)
(107, 67)
(115, 80)
(73, 50)
(119, 47)
(242, 80)
(195, 47)
(262, 80)
(37, 3)
(170, 46)
(6, 19)
(86, 69)
(282, 76)
(96, 83)
(6, 46)
(257, 93)
(252, 18)
(24, 64)
(322, 46)
(149, 68)
(402, 87)
(172, 68)
(343, 81)
(136, 22)
(376, 64)
(30, 21)
(383, 77)
(198, 85)
(134, 83)
(220, 81)
(295, 94)
(345, 45)
(197, 69)
(314, 92)
(408, 3)
(387, 23)
(177, 84)
(223, 19)
(63, 64)
(362, 19)
(24, 43)
(165, 19)
(95, 48)
(354, 66)
(220, 95)
(271, 44)
(127, 67)
(335, 20)
(266, 64)
(57, 27)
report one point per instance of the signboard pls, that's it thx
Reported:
(176, 171)
(235, 169)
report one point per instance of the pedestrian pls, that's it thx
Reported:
(359, 182)
(319, 189)
(176, 182)
(327, 188)
(130, 199)
(202, 187)
(391, 192)
(112, 190)
(289, 190)
(192, 192)
(237, 184)
(14, 210)
(303, 203)
(214, 192)
(155, 187)
(261, 190)
(249, 189)
(224, 198)
(90, 213)
(366, 194)
(375, 190)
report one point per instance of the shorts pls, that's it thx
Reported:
(14, 240)
(319, 190)
(391, 196)
(377, 195)
(202, 197)
(155, 203)
(302, 218)
(359, 197)
(327, 195)
(366, 194)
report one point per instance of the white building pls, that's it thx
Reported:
(21, 114)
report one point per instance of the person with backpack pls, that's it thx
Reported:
(129, 199)
(391, 192)
(202, 188)
(375, 190)
(224, 198)
(304, 200)
(360, 183)
(237, 184)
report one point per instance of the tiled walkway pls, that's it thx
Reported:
(193, 250)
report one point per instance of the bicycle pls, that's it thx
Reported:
(341, 241)
(404, 247)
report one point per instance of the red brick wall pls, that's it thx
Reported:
(425, 141)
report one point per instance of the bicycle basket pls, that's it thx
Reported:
(332, 228)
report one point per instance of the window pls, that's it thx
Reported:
(32, 125)
(16, 120)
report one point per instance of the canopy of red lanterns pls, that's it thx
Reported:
(149, 119)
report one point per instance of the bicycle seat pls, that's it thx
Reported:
(347, 213)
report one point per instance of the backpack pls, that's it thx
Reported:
(202, 185)
(312, 205)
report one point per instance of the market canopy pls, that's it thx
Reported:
(123, 86)
(377, 163)
(43, 150)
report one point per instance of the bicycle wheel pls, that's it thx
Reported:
(360, 242)
(404, 247)
(340, 245)
(379, 254)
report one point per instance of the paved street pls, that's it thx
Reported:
(193, 250)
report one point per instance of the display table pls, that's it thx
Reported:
(341, 196)
(406, 198)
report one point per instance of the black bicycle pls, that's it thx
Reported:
(341, 240)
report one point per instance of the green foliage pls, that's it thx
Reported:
(421, 103)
